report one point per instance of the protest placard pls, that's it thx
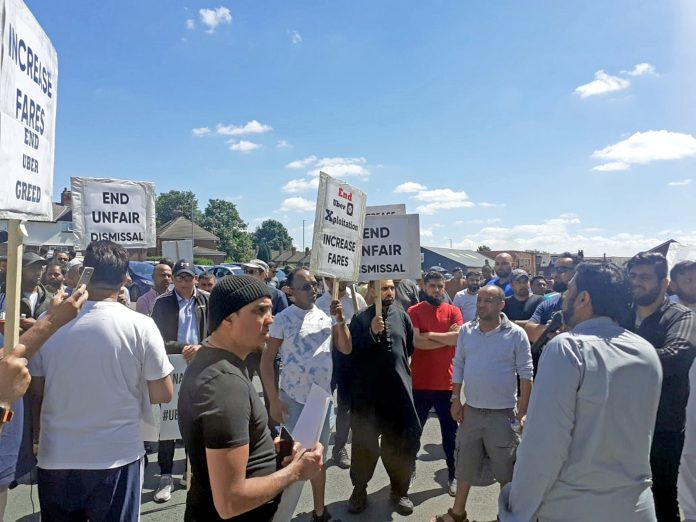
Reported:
(118, 210)
(28, 88)
(338, 226)
(169, 420)
(180, 249)
(391, 247)
(386, 210)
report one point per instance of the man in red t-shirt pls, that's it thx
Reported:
(435, 328)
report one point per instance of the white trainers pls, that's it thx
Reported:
(182, 480)
(163, 493)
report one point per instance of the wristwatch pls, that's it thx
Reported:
(6, 415)
(454, 398)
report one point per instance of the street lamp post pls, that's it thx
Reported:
(303, 238)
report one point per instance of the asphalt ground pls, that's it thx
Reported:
(428, 492)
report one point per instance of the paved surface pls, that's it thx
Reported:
(428, 493)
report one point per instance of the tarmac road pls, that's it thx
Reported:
(428, 492)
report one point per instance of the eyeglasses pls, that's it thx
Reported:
(488, 300)
(251, 271)
(563, 269)
(184, 277)
(308, 286)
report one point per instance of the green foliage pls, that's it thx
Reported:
(169, 202)
(264, 253)
(203, 261)
(273, 234)
(222, 219)
(483, 248)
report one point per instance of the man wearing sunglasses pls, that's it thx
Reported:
(182, 318)
(303, 335)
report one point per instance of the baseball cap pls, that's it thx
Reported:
(256, 263)
(30, 258)
(183, 267)
(518, 274)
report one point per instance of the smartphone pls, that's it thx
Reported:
(285, 445)
(85, 276)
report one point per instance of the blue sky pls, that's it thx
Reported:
(542, 125)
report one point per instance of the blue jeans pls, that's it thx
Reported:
(75, 495)
(294, 410)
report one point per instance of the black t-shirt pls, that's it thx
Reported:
(219, 408)
(517, 310)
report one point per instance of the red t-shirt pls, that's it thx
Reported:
(432, 369)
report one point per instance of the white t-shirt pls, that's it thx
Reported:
(324, 303)
(305, 351)
(466, 302)
(96, 368)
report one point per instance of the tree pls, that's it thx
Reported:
(483, 248)
(264, 253)
(170, 202)
(222, 219)
(273, 234)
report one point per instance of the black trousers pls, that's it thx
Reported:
(165, 456)
(253, 364)
(440, 400)
(664, 461)
(342, 417)
(398, 449)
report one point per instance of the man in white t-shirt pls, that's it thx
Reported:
(98, 371)
(465, 299)
(340, 379)
(303, 335)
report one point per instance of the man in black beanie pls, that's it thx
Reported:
(224, 423)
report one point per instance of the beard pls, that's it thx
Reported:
(560, 286)
(474, 288)
(647, 299)
(387, 302)
(435, 301)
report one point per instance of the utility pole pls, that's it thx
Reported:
(303, 238)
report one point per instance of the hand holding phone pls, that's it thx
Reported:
(285, 444)
(85, 276)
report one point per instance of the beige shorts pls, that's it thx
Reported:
(486, 432)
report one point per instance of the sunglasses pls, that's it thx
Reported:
(251, 271)
(308, 286)
(184, 277)
(563, 269)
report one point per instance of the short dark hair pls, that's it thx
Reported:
(166, 261)
(291, 276)
(472, 274)
(62, 265)
(457, 269)
(608, 287)
(206, 276)
(574, 257)
(432, 275)
(110, 263)
(654, 259)
(538, 277)
(681, 268)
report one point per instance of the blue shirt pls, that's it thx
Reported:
(487, 363)
(546, 308)
(507, 288)
(188, 329)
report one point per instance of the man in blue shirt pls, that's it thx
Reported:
(503, 273)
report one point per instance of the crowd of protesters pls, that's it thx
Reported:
(572, 392)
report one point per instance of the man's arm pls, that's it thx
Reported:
(444, 338)
(161, 390)
(234, 493)
(278, 409)
(340, 335)
(422, 342)
(548, 433)
(677, 353)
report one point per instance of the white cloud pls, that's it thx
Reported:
(603, 83)
(190, 23)
(200, 131)
(441, 195)
(250, 127)
(300, 164)
(339, 167)
(298, 185)
(612, 166)
(486, 204)
(211, 18)
(645, 147)
(641, 69)
(682, 183)
(296, 37)
(409, 186)
(297, 204)
(243, 146)
(282, 144)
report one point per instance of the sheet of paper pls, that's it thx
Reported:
(306, 432)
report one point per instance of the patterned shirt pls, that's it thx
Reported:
(305, 351)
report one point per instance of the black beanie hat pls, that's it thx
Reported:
(231, 293)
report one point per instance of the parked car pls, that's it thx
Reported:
(220, 271)
(141, 274)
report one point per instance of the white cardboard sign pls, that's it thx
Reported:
(338, 226)
(391, 248)
(28, 91)
(118, 210)
(169, 420)
(386, 210)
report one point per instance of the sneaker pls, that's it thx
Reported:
(341, 458)
(358, 500)
(402, 504)
(182, 480)
(163, 493)
(452, 487)
(325, 516)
